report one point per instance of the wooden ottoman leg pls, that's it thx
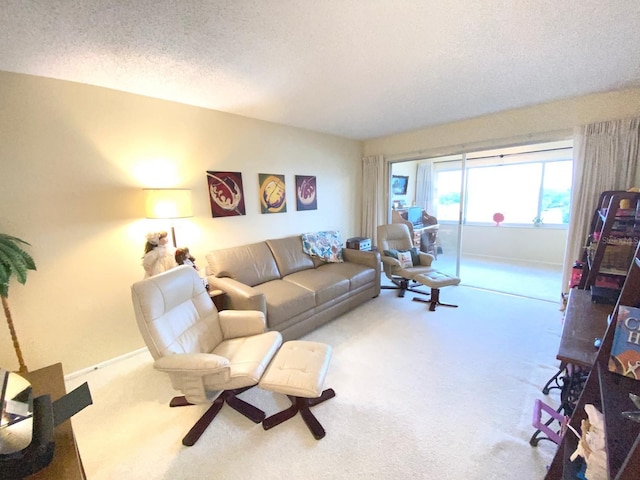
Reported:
(283, 416)
(326, 395)
(302, 405)
(435, 299)
(298, 371)
(309, 418)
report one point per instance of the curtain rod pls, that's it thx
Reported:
(492, 144)
(502, 155)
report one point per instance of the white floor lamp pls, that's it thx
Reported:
(168, 203)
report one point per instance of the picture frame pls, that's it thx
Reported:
(306, 192)
(226, 194)
(399, 184)
(272, 193)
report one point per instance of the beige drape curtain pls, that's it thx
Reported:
(373, 196)
(424, 187)
(605, 157)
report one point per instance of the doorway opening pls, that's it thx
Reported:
(503, 214)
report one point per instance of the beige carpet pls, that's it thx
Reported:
(420, 395)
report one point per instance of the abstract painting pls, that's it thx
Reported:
(226, 194)
(306, 192)
(272, 194)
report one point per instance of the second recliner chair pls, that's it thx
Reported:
(408, 268)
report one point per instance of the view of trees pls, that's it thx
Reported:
(511, 189)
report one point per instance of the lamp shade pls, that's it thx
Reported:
(168, 203)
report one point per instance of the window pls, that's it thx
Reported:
(527, 188)
(556, 192)
(448, 195)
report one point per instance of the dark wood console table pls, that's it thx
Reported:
(584, 321)
(66, 463)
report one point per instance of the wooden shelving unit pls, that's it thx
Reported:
(609, 393)
(613, 237)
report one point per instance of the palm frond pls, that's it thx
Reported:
(14, 261)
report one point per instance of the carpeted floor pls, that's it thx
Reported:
(420, 395)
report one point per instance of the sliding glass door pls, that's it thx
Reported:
(502, 215)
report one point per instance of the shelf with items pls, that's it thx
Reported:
(609, 393)
(613, 238)
(614, 391)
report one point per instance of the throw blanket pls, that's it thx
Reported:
(325, 245)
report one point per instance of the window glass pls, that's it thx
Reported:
(556, 192)
(511, 190)
(448, 195)
(531, 188)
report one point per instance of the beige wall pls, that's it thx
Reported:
(74, 159)
(523, 244)
(549, 121)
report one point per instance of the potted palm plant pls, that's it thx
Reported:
(14, 262)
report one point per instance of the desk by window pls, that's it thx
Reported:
(66, 463)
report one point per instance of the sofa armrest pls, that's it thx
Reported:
(239, 295)
(369, 259)
(241, 323)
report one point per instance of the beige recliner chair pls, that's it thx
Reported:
(210, 356)
(408, 268)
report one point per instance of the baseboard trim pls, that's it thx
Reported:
(111, 361)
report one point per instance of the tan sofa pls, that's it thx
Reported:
(296, 292)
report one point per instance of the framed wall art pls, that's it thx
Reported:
(272, 193)
(306, 192)
(399, 184)
(226, 194)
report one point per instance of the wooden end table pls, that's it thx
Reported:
(218, 297)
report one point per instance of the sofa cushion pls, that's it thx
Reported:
(249, 264)
(285, 300)
(326, 284)
(358, 275)
(289, 256)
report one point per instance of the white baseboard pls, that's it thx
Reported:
(111, 361)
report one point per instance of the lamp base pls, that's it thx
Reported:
(173, 236)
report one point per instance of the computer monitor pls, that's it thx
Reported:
(414, 215)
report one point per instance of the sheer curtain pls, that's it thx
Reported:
(424, 190)
(373, 196)
(606, 157)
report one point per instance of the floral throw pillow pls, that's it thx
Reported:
(405, 259)
(326, 245)
(414, 255)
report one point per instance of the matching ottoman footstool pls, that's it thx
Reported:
(298, 370)
(435, 280)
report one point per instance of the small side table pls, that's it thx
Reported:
(218, 297)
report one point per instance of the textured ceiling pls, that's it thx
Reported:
(355, 68)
